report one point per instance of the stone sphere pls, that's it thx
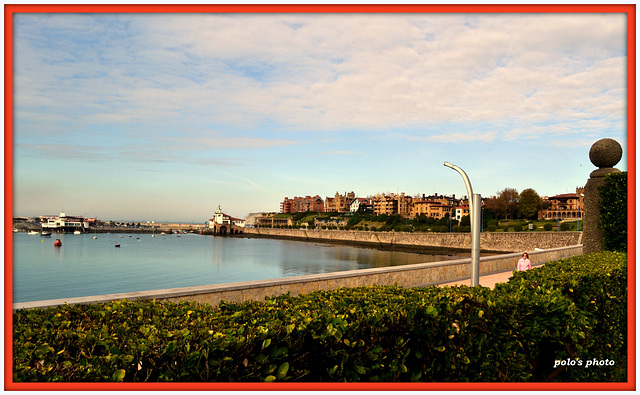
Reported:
(605, 153)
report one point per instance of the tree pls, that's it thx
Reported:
(529, 203)
(353, 221)
(505, 205)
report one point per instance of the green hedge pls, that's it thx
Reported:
(613, 211)
(574, 308)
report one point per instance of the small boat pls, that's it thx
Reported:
(34, 233)
(117, 245)
(57, 243)
(45, 234)
(77, 232)
(95, 237)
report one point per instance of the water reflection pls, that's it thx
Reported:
(316, 258)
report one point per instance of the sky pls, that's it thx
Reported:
(163, 117)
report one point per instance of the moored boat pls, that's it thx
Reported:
(33, 233)
(57, 243)
(45, 234)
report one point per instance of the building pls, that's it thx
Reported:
(220, 218)
(565, 206)
(383, 204)
(339, 203)
(64, 223)
(442, 199)
(430, 208)
(392, 204)
(270, 220)
(421, 206)
(461, 211)
(302, 204)
(360, 204)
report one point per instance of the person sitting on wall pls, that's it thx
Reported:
(524, 263)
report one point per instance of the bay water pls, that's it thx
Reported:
(84, 266)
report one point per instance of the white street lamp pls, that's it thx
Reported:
(475, 204)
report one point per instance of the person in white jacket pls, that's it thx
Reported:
(524, 263)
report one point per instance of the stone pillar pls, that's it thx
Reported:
(604, 154)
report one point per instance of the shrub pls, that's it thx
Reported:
(491, 228)
(547, 227)
(573, 308)
(613, 211)
(565, 226)
(517, 228)
(597, 284)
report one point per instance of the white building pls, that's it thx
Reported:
(358, 203)
(65, 223)
(461, 211)
(220, 218)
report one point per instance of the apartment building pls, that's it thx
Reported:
(429, 208)
(302, 204)
(339, 203)
(564, 206)
(392, 204)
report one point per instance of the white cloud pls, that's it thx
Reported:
(334, 71)
(457, 137)
(231, 142)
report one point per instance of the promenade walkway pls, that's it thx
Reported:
(489, 280)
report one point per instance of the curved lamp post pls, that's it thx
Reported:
(475, 204)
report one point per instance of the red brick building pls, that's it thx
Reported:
(302, 204)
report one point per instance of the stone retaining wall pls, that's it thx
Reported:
(489, 241)
(415, 275)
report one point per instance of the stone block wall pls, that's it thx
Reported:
(489, 241)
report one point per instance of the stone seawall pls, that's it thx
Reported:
(415, 275)
(489, 241)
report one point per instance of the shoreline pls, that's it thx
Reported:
(415, 249)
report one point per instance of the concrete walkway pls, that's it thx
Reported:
(489, 280)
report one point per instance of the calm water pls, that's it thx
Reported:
(84, 266)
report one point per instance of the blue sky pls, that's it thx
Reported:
(164, 117)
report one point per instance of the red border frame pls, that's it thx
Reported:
(9, 10)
